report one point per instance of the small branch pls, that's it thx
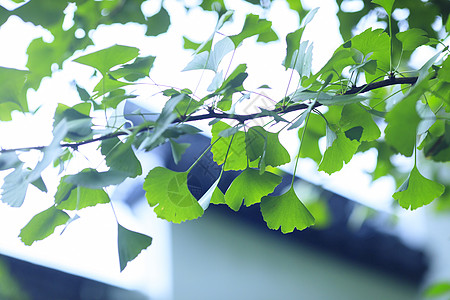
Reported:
(240, 118)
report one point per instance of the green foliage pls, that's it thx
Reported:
(130, 244)
(365, 86)
(286, 211)
(42, 225)
(417, 191)
(168, 192)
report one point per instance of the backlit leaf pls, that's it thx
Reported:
(250, 186)
(353, 115)
(103, 60)
(72, 197)
(253, 25)
(386, 4)
(398, 135)
(168, 193)
(340, 152)
(286, 211)
(92, 179)
(417, 191)
(264, 144)
(120, 157)
(237, 157)
(42, 225)
(412, 38)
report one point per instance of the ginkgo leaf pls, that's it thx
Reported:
(412, 38)
(15, 187)
(353, 115)
(168, 192)
(286, 211)
(417, 191)
(253, 25)
(250, 186)
(211, 61)
(264, 144)
(130, 244)
(398, 135)
(386, 4)
(310, 143)
(158, 23)
(72, 197)
(92, 179)
(340, 152)
(233, 145)
(177, 150)
(120, 157)
(103, 60)
(42, 225)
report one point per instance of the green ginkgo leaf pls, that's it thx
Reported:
(402, 124)
(265, 144)
(340, 152)
(120, 157)
(417, 191)
(286, 211)
(103, 60)
(158, 23)
(412, 38)
(167, 191)
(386, 4)
(353, 115)
(234, 145)
(130, 244)
(42, 225)
(250, 186)
(72, 197)
(253, 25)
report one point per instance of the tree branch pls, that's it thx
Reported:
(240, 118)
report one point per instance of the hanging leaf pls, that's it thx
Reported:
(250, 186)
(130, 244)
(341, 151)
(168, 193)
(15, 187)
(417, 191)
(208, 61)
(72, 197)
(42, 225)
(401, 137)
(286, 211)
(177, 150)
(237, 158)
(12, 92)
(264, 144)
(253, 25)
(92, 179)
(353, 116)
(120, 157)
(103, 60)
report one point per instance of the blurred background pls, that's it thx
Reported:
(363, 246)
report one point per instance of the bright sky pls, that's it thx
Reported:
(88, 247)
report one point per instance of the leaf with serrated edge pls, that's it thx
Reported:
(168, 192)
(286, 211)
(250, 186)
(417, 191)
(130, 244)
